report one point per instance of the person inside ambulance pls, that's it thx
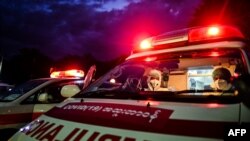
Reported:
(222, 79)
(154, 81)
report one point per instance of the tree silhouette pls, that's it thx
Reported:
(28, 64)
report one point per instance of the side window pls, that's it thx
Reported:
(50, 93)
(30, 100)
(33, 99)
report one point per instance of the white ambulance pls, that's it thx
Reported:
(27, 101)
(190, 84)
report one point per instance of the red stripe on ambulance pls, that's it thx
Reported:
(140, 118)
(113, 115)
(15, 118)
(18, 118)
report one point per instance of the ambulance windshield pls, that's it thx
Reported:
(187, 73)
(20, 90)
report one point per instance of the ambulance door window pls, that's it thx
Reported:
(51, 94)
(30, 100)
(33, 99)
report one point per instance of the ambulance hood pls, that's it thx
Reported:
(130, 120)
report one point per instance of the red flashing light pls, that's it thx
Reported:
(213, 32)
(214, 54)
(67, 73)
(146, 44)
(149, 59)
(192, 35)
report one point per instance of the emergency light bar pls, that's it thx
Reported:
(190, 36)
(214, 32)
(67, 73)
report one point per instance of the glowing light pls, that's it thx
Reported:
(213, 105)
(21, 129)
(54, 74)
(146, 44)
(112, 80)
(67, 73)
(236, 75)
(149, 59)
(213, 31)
(76, 73)
(25, 128)
(214, 54)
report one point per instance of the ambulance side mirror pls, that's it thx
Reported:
(242, 84)
(69, 90)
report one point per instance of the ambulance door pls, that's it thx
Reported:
(47, 98)
(53, 94)
(15, 116)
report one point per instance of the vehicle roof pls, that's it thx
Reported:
(190, 39)
(221, 44)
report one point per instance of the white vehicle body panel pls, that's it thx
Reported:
(181, 113)
(15, 114)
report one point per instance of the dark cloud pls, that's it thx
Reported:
(77, 27)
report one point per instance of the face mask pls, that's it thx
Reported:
(221, 84)
(154, 84)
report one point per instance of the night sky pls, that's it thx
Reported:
(105, 29)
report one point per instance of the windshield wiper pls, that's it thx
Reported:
(194, 91)
(107, 94)
(175, 96)
(124, 94)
